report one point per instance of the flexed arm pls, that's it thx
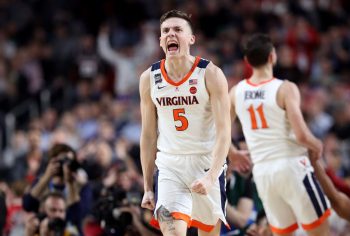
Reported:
(220, 102)
(148, 143)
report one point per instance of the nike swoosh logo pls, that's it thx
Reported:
(160, 87)
(206, 170)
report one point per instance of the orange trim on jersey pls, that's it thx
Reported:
(263, 82)
(153, 222)
(176, 215)
(318, 222)
(181, 216)
(167, 79)
(201, 226)
(287, 230)
(190, 223)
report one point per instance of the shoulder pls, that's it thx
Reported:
(145, 75)
(212, 70)
(214, 75)
(145, 81)
(287, 92)
(215, 80)
(288, 86)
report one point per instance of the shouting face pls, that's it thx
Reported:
(176, 37)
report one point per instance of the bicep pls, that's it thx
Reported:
(148, 109)
(218, 90)
(292, 106)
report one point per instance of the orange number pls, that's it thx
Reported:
(261, 114)
(177, 113)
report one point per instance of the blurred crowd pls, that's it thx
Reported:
(69, 75)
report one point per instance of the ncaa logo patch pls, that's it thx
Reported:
(157, 78)
(193, 90)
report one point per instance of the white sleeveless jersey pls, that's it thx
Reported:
(185, 119)
(265, 126)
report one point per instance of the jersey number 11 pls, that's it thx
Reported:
(260, 111)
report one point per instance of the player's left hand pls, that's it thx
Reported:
(241, 162)
(202, 185)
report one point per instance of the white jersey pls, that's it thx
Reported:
(185, 119)
(265, 126)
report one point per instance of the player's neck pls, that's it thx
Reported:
(178, 67)
(262, 74)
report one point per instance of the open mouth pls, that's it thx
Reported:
(172, 47)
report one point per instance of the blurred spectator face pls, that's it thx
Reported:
(59, 136)
(34, 159)
(125, 182)
(82, 112)
(119, 109)
(34, 136)
(55, 207)
(106, 131)
(285, 55)
(49, 119)
(87, 43)
(20, 142)
(177, 33)
(104, 154)
(68, 121)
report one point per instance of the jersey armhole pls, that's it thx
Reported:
(278, 94)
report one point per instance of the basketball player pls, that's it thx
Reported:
(278, 141)
(185, 133)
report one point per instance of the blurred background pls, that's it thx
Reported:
(69, 73)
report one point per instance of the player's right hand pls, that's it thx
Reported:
(148, 200)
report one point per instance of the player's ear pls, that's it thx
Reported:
(192, 40)
(273, 57)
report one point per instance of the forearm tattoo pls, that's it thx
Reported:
(165, 216)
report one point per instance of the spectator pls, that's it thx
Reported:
(53, 220)
(62, 174)
(127, 59)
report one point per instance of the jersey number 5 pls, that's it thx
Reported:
(178, 116)
(260, 111)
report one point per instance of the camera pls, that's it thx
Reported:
(57, 226)
(73, 165)
(108, 209)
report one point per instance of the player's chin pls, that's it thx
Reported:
(173, 53)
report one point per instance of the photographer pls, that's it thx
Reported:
(52, 221)
(62, 174)
(117, 206)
